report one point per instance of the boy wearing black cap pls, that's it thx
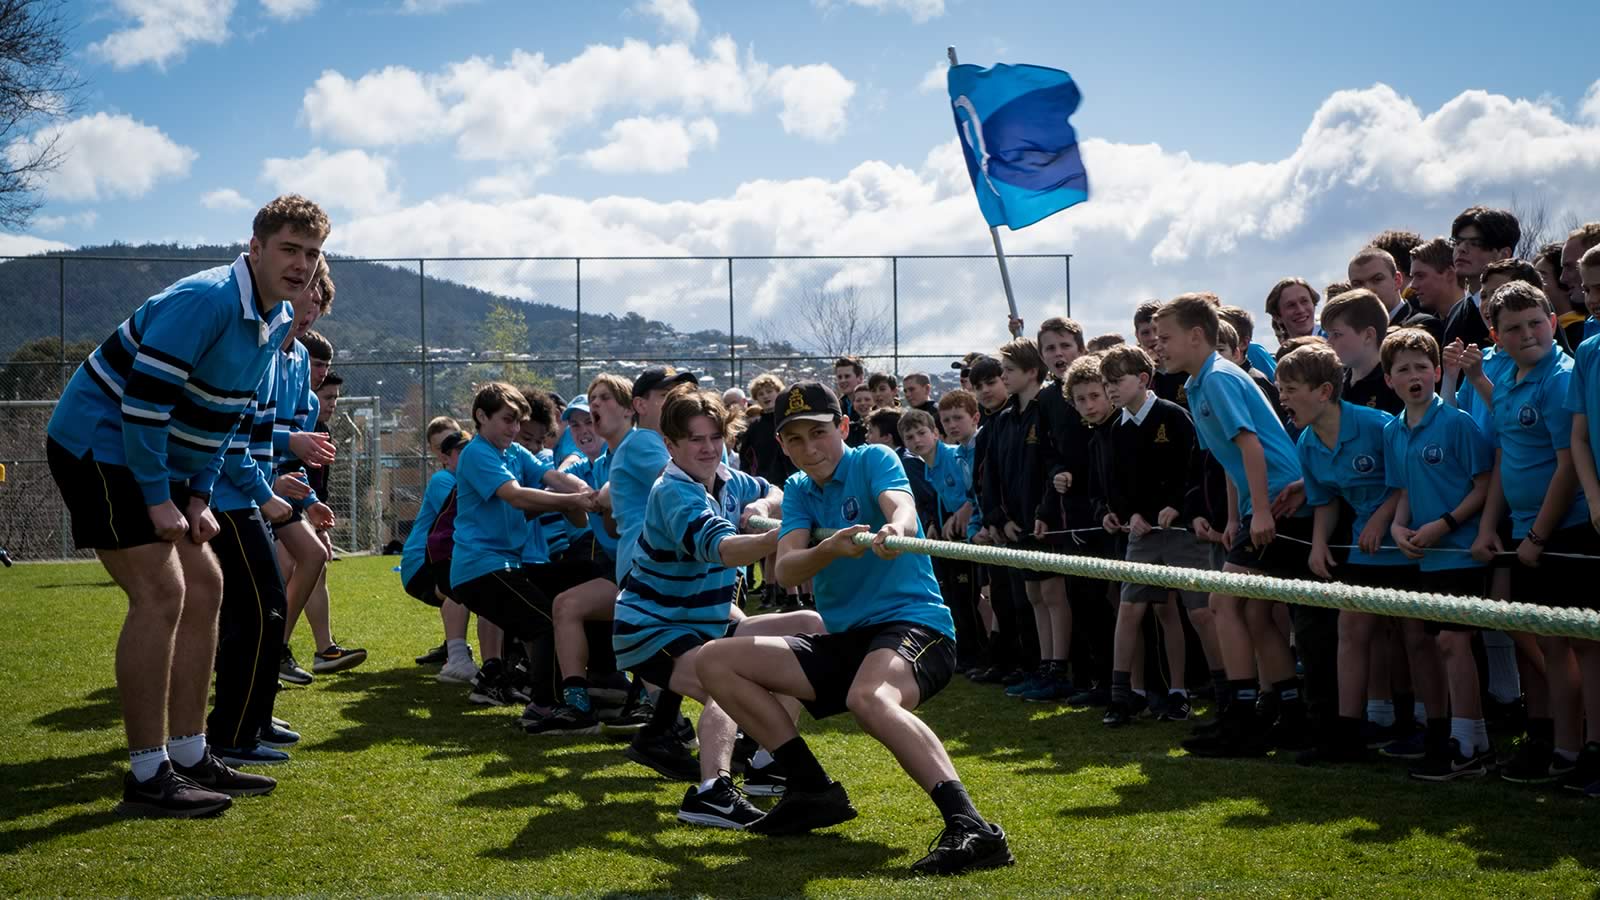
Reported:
(890, 643)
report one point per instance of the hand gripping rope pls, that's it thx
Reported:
(1491, 614)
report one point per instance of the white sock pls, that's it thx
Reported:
(1182, 692)
(761, 759)
(1140, 692)
(457, 649)
(707, 785)
(1505, 683)
(1381, 713)
(146, 762)
(1568, 755)
(1480, 735)
(1463, 733)
(187, 751)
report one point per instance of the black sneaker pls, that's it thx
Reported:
(214, 775)
(801, 811)
(666, 756)
(494, 692)
(767, 781)
(563, 719)
(169, 794)
(963, 845)
(1177, 708)
(1585, 772)
(1094, 695)
(989, 675)
(438, 656)
(1291, 731)
(683, 733)
(335, 658)
(1117, 715)
(290, 671)
(1137, 704)
(1453, 765)
(1237, 735)
(744, 747)
(1530, 763)
(724, 806)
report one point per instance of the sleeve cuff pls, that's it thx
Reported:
(155, 492)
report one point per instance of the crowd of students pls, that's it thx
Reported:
(1430, 429)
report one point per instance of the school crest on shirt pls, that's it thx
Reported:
(1527, 416)
(1033, 435)
(1433, 454)
(1364, 464)
(851, 509)
(1183, 395)
(1161, 435)
(949, 481)
(1205, 409)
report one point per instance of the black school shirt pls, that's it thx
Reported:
(1373, 392)
(1169, 386)
(932, 409)
(1014, 479)
(1466, 322)
(1066, 449)
(1151, 462)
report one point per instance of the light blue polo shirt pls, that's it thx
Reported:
(1352, 470)
(1532, 422)
(1225, 401)
(856, 593)
(490, 534)
(635, 466)
(678, 585)
(1435, 462)
(1583, 391)
(415, 551)
(950, 476)
(1496, 367)
(595, 473)
(1261, 359)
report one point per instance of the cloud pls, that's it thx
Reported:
(104, 156)
(936, 81)
(919, 10)
(1589, 107)
(28, 245)
(163, 30)
(815, 99)
(524, 109)
(289, 10)
(427, 7)
(225, 200)
(654, 145)
(85, 219)
(351, 180)
(1159, 221)
(676, 17)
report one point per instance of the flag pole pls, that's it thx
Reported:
(999, 251)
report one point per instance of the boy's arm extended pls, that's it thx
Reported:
(1262, 526)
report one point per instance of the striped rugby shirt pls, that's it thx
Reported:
(165, 392)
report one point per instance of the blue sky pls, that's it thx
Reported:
(821, 137)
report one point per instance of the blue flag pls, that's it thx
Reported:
(1021, 150)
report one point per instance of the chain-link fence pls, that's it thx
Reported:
(413, 337)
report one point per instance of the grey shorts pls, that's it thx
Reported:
(1168, 548)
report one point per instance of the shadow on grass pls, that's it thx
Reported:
(44, 785)
(100, 710)
(76, 584)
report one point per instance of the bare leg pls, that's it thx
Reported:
(1461, 675)
(1172, 638)
(1233, 635)
(1427, 669)
(194, 652)
(1531, 671)
(317, 613)
(1271, 644)
(1566, 703)
(1041, 619)
(1205, 626)
(881, 698)
(153, 580)
(741, 675)
(592, 601)
(454, 616)
(302, 558)
(1355, 646)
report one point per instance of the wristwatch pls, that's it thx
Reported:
(1450, 521)
(1533, 537)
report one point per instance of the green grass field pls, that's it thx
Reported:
(401, 786)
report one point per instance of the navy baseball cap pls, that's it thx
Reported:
(657, 377)
(808, 401)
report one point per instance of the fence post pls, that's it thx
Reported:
(577, 322)
(1066, 262)
(894, 287)
(375, 442)
(61, 377)
(733, 353)
(423, 370)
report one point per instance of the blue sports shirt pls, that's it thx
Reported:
(1531, 422)
(1352, 470)
(1583, 392)
(635, 465)
(595, 473)
(491, 535)
(415, 551)
(854, 593)
(1435, 462)
(1225, 401)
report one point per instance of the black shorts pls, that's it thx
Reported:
(1400, 578)
(1038, 546)
(297, 513)
(509, 599)
(830, 661)
(1559, 581)
(1471, 581)
(658, 668)
(107, 507)
(554, 577)
(1281, 558)
(430, 581)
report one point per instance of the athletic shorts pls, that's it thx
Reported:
(1167, 548)
(297, 514)
(107, 507)
(830, 661)
(1028, 542)
(1285, 557)
(1559, 581)
(509, 599)
(1471, 581)
(1400, 578)
(430, 581)
(554, 577)
(657, 669)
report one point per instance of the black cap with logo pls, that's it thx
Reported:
(807, 401)
(657, 377)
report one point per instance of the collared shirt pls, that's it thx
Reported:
(950, 476)
(1435, 461)
(1496, 367)
(635, 465)
(678, 584)
(854, 593)
(1352, 469)
(1372, 391)
(1583, 393)
(1531, 423)
(1144, 410)
(1224, 402)
(1261, 359)
(415, 551)
(491, 535)
(165, 392)
(595, 473)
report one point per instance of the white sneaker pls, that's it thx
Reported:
(459, 671)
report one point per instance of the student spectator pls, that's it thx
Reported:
(1583, 403)
(864, 403)
(1579, 242)
(1152, 443)
(1435, 287)
(1254, 355)
(1234, 422)
(734, 400)
(1335, 288)
(949, 478)
(1398, 244)
(427, 578)
(1569, 316)
(1083, 478)
(138, 497)
(1292, 304)
(1105, 342)
(1356, 323)
(1535, 481)
(958, 412)
(1341, 457)
(1373, 269)
(1006, 639)
(759, 453)
(849, 373)
(883, 427)
(1478, 236)
(1168, 385)
(885, 390)
(1441, 462)
(1060, 341)
(919, 395)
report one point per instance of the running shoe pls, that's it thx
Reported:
(722, 806)
(171, 795)
(963, 845)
